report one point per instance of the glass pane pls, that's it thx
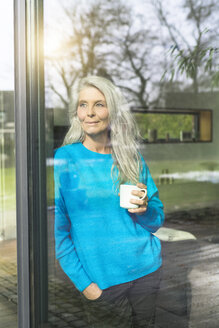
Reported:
(174, 126)
(8, 254)
(164, 127)
(141, 46)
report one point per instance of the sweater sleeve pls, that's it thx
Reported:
(64, 246)
(153, 218)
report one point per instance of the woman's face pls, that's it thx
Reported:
(92, 112)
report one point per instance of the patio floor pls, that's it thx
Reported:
(189, 294)
(8, 284)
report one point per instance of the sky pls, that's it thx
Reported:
(55, 19)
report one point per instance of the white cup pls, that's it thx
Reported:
(126, 195)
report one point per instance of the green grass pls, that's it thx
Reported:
(179, 195)
(188, 195)
(181, 166)
(184, 194)
(8, 189)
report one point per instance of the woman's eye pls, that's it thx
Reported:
(100, 105)
(82, 105)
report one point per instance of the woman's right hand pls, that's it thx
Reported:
(92, 291)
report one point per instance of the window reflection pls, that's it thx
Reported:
(179, 125)
(134, 49)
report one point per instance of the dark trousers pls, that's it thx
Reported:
(128, 305)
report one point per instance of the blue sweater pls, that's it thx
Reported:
(97, 240)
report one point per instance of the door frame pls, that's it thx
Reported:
(31, 203)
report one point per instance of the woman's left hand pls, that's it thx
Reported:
(142, 203)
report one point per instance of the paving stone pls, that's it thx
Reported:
(189, 293)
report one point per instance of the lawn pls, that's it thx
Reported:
(184, 194)
(7, 189)
(188, 195)
(179, 195)
(156, 167)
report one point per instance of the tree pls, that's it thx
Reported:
(86, 45)
(105, 41)
(134, 72)
(191, 51)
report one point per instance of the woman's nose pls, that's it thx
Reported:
(90, 111)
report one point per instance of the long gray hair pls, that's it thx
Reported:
(123, 129)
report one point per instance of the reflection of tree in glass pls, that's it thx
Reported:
(164, 124)
(106, 39)
(87, 45)
(82, 47)
(192, 52)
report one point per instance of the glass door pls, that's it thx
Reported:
(137, 44)
(134, 44)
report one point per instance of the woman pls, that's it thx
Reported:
(108, 252)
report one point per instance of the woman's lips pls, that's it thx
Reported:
(91, 123)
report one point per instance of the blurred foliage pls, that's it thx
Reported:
(107, 39)
(186, 62)
(192, 54)
(110, 39)
(165, 124)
